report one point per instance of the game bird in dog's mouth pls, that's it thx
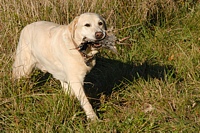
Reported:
(65, 51)
(107, 41)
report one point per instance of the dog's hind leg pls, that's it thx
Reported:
(24, 61)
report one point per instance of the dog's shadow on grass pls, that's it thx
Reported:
(108, 73)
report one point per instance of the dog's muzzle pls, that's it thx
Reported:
(99, 35)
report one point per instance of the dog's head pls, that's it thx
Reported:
(88, 29)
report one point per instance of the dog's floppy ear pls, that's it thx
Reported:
(104, 23)
(72, 26)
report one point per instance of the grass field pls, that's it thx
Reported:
(152, 85)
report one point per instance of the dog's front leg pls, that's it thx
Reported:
(78, 91)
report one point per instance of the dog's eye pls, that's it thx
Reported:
(87, 25)
(100, 23)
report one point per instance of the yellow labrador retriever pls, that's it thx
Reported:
(65, 51)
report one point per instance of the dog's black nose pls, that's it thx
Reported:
(99, 35)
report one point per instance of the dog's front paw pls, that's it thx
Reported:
(92, 117)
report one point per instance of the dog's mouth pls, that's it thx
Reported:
(93, 45)
(96, 45)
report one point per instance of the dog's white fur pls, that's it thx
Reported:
(51, 47)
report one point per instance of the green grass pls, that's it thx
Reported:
(152, 85)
